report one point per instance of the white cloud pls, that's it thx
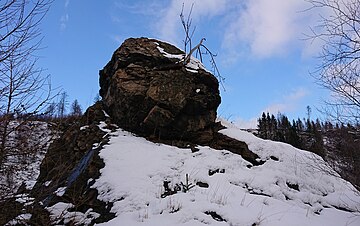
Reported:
(289, 103)
(169, 25)
(246, 124)
(278, 107)
(64, 19)
(67, 2)
(263, 28)
(268, 27)
(118, 39)
(148, 8)
(259, 28)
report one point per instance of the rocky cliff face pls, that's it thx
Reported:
(147, 90)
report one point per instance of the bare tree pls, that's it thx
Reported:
(339, 67)
(50, 111)
(19, 26)
(62, 105)
(24, 90)
(76, 108)
(200, 49)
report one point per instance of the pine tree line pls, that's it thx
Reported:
(338, 144)
(303, 134)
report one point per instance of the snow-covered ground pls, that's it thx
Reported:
(293, 187)
(23, 166)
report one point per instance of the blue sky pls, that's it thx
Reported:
(261, 46)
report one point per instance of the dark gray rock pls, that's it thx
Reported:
(148, 93)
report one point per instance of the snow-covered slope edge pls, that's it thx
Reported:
(291, 188)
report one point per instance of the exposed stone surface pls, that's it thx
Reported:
(64, 166)
(146, 90)
(223, 142)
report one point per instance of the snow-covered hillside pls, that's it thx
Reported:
(146, 182)
(27, 144)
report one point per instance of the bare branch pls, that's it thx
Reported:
(189, 51)
(24, 90)
(339, 67)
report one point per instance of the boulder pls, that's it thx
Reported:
(147, 89)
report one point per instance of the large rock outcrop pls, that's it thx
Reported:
(147, 90)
